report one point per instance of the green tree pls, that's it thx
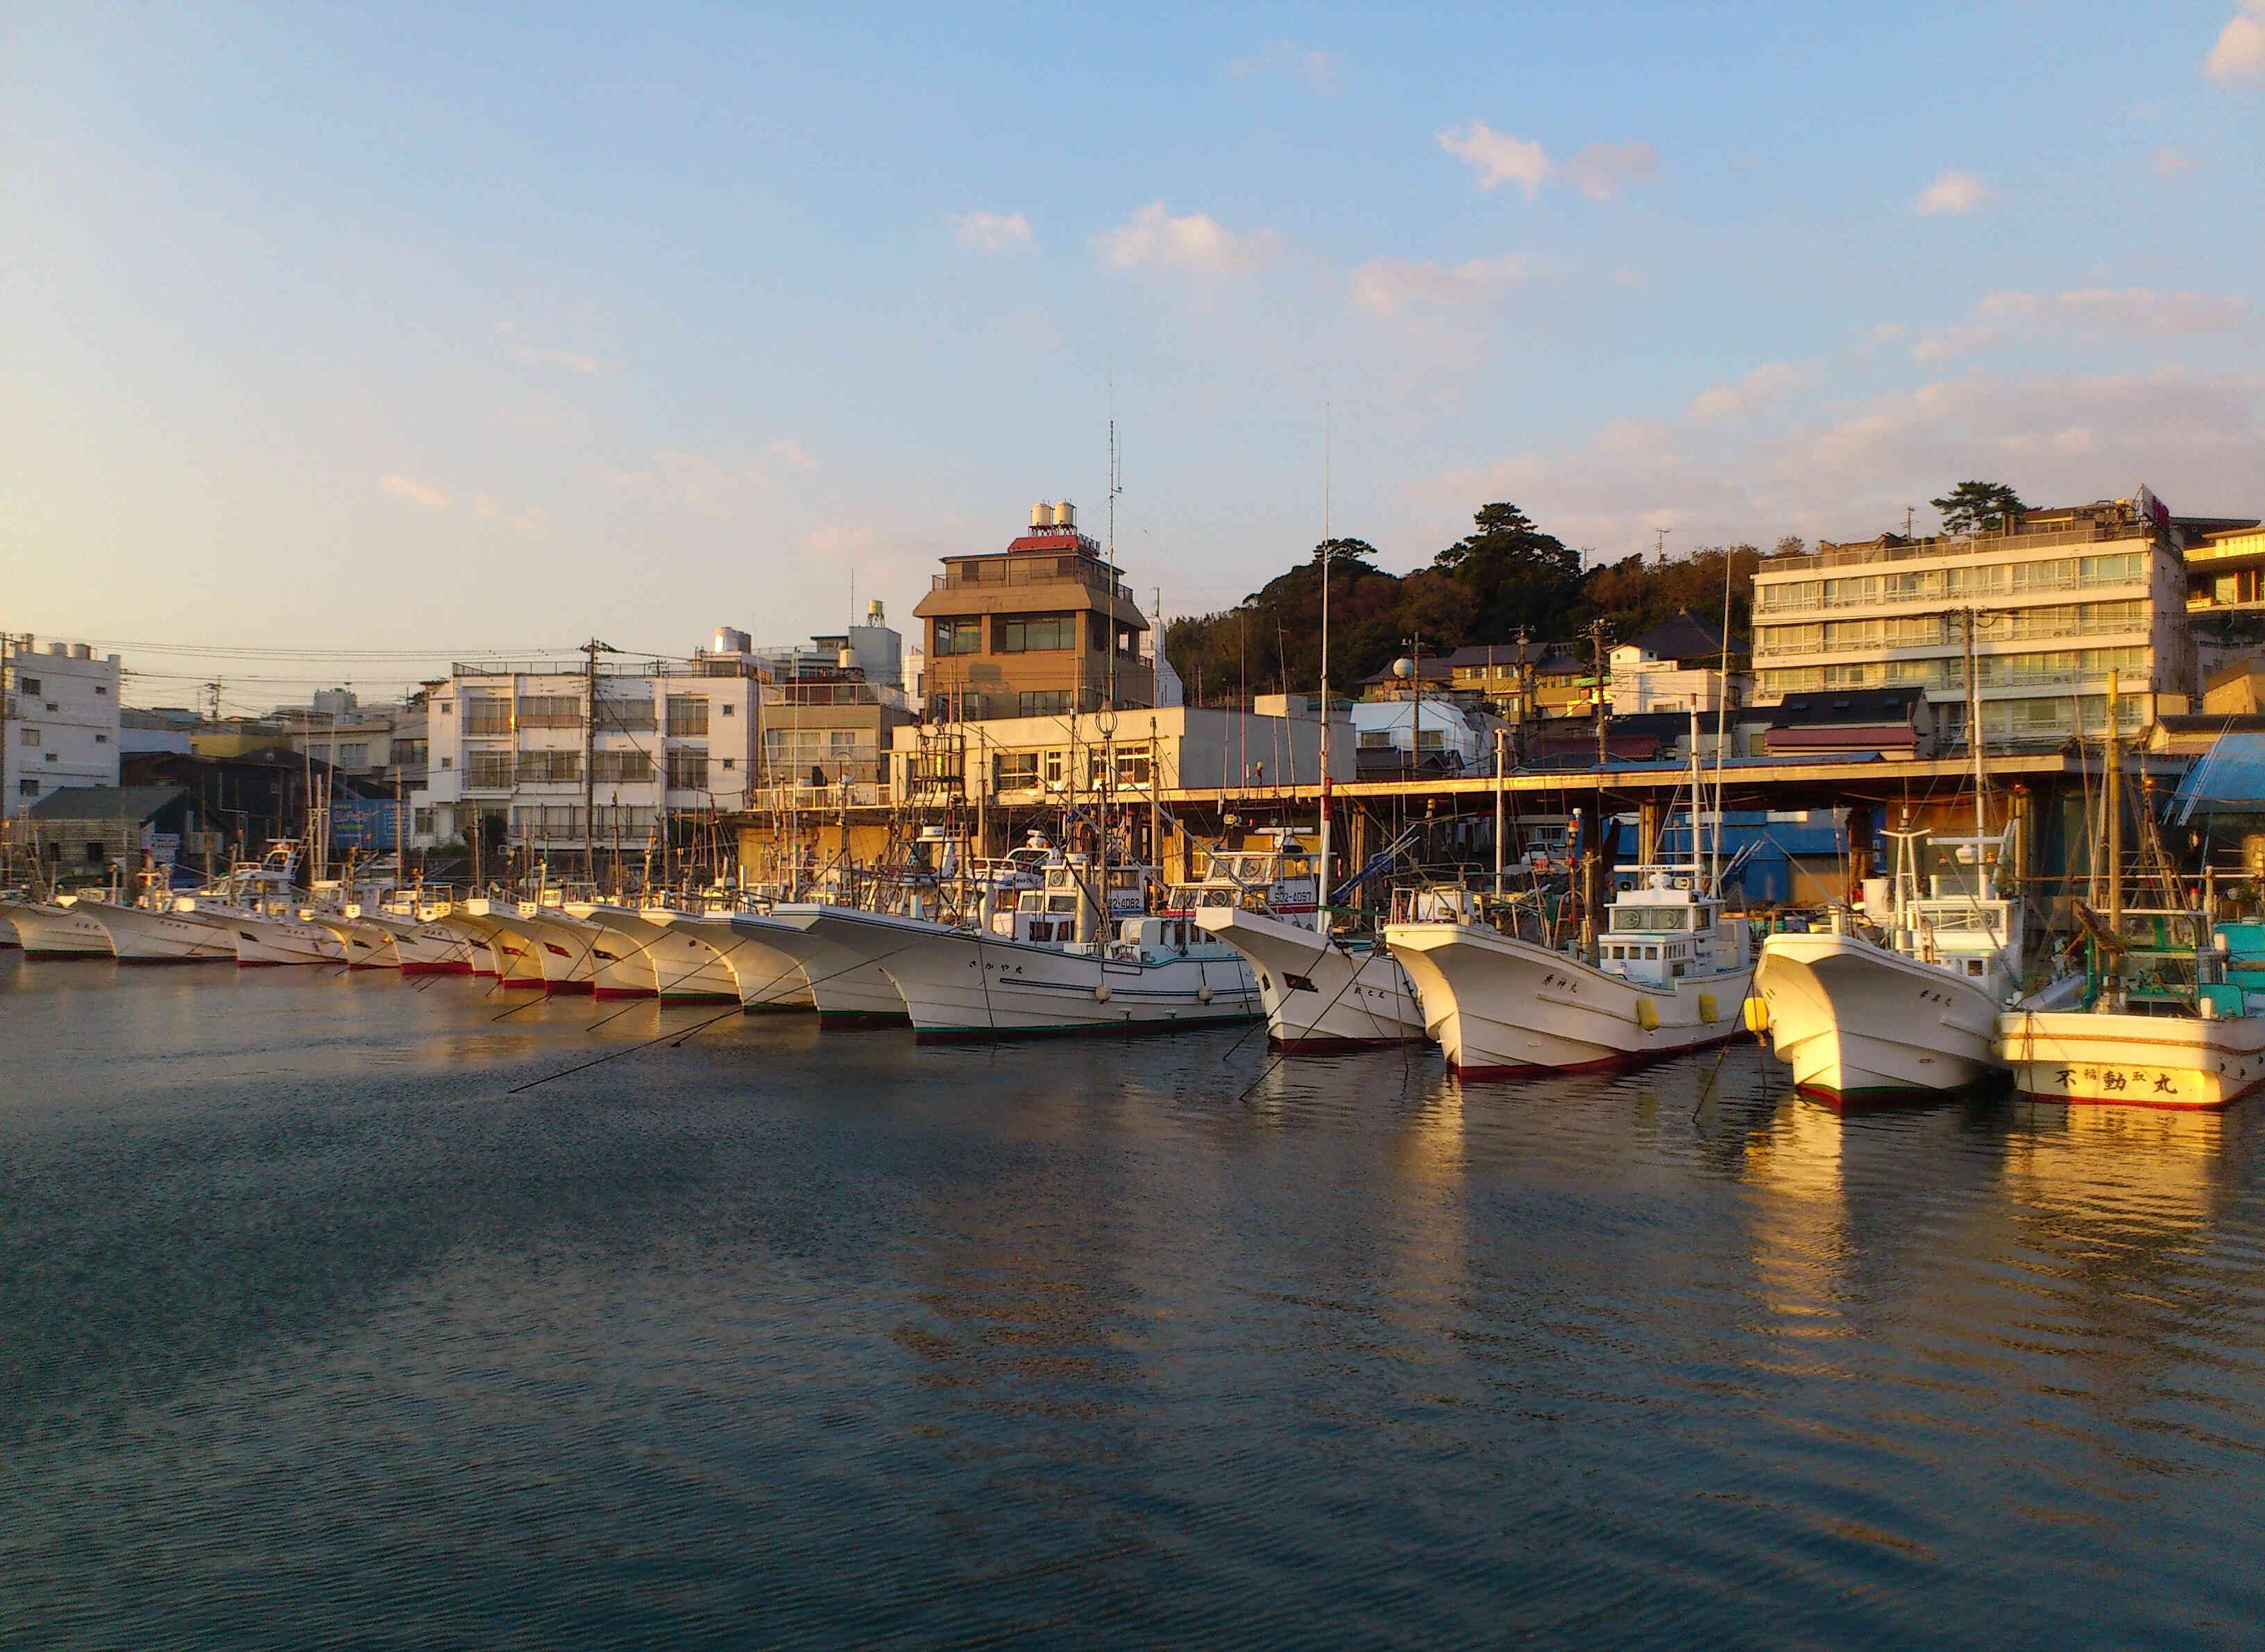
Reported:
(1978, 508)
(1515, 576)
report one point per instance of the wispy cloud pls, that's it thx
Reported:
(993, 232)
(2239, 53)
(2122, 309)
(1389, 285)
(2169, 163)
(1601, 171)
(424, 493)
(792, 455)
(1944, 344)
(1757, 389)
(1955, 191)
(1198, 243)
(1317, 70)
(1496, 157)
(532, 523)
(529, 354)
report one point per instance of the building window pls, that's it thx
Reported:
(486, 714)
(1054, 768)
(628, 767)
(688, 715)
(102, 688)
(1374, 739)
(27, 788)
(29, 685)
(728, 709)
(448, 762)
(51, 757)
(94, 853)
(1037, 633)
(421, 822)
(29, 736)
(549, 710)
(958, 637)
(488, 771)
(729, 763)
(1014, 771)
(355, 755)
(546, 768)
(1042, 702)
(102, 739)
(688, 771)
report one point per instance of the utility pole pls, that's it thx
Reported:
(1597, 694)
(590, 651)
(1659, 545)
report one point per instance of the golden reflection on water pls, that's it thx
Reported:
(1799, 1226)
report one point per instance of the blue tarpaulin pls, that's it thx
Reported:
(2229, 780)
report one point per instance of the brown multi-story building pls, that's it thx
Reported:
(1042, 627)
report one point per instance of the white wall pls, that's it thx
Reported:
(62, 730)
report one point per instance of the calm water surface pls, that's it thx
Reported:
(316, 1329)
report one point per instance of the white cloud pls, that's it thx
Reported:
(1497, 158)
(2169, 163)
(1955, 191)
(1318, 69)
(2240, 54)
(1887, 331)
(1601, 171)
(1389, 285)
(1943, 343)
(533, 523)
(793, 455)
(2140, 309)
(533, 355)
(1198, 241)
(992, 232)
(2129, 308)
(1757, 389)
(2193, 440)
(416, 492)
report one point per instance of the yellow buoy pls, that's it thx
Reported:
(1757, 1015)
(1647, 1015)
(1101, 992)
(1707, 1008)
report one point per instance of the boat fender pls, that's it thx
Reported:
(1203, 993)
(1101, 993)
(1757, 1015)
(1707, 1008)
(1647, 1015)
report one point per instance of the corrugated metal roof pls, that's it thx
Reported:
(2230, 779)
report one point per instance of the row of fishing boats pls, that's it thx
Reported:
(1920, 989)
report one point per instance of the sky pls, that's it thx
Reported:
(377, 337)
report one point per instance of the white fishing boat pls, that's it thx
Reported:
(503, 949)
(846, 984)
(1321, 992)
(1914, 1009)
(2167, 1029)
(565, 946)
(644, 955)
(155, 931)
(1672, 969)
(56, 930)
(1033, 972)
(279, 937)
(369, 945)
(422, 943)
(764, 977)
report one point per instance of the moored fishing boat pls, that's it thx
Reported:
(424, 944)
(565, 946)
(1915, 1011)
(846, 985)
(56, 930)
(764, 977)
(502, 948)
(162, 934)
(2165, 1027)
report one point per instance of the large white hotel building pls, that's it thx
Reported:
(2058, 601)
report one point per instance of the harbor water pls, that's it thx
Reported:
(323, 1322)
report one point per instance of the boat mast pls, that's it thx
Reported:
(2115, 808)
(1321, 892)
(1974, 745)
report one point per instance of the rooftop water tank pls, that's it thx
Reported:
(1042, 514)
(1064, 515)
(730, 641)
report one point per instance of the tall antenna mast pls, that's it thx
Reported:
(1116, 487)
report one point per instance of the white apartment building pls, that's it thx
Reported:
(2058, 603)
(58, 721)
(523, 748)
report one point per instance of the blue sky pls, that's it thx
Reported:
(424, 328)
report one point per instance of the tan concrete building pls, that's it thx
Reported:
(1043, 628)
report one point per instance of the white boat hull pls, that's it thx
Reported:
(1503, 1007)
(566, 948)
(1858, 1021)
(138, 936)
(263, 941)
(846, 985)
(1318, 997)
(58, 932)
(512, 957)
(963, 984)
(426, 948)
(2126, 1060)
(762, 976)
(367, 946)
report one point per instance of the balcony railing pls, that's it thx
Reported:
(1035, 571)
(1980, 545)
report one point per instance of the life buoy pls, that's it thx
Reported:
(1203, 993)
(1101, 992)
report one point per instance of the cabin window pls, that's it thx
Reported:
(1028, 901)
(1651, 954)
(1678, 969)
(1061, 903)
(1974, 966)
